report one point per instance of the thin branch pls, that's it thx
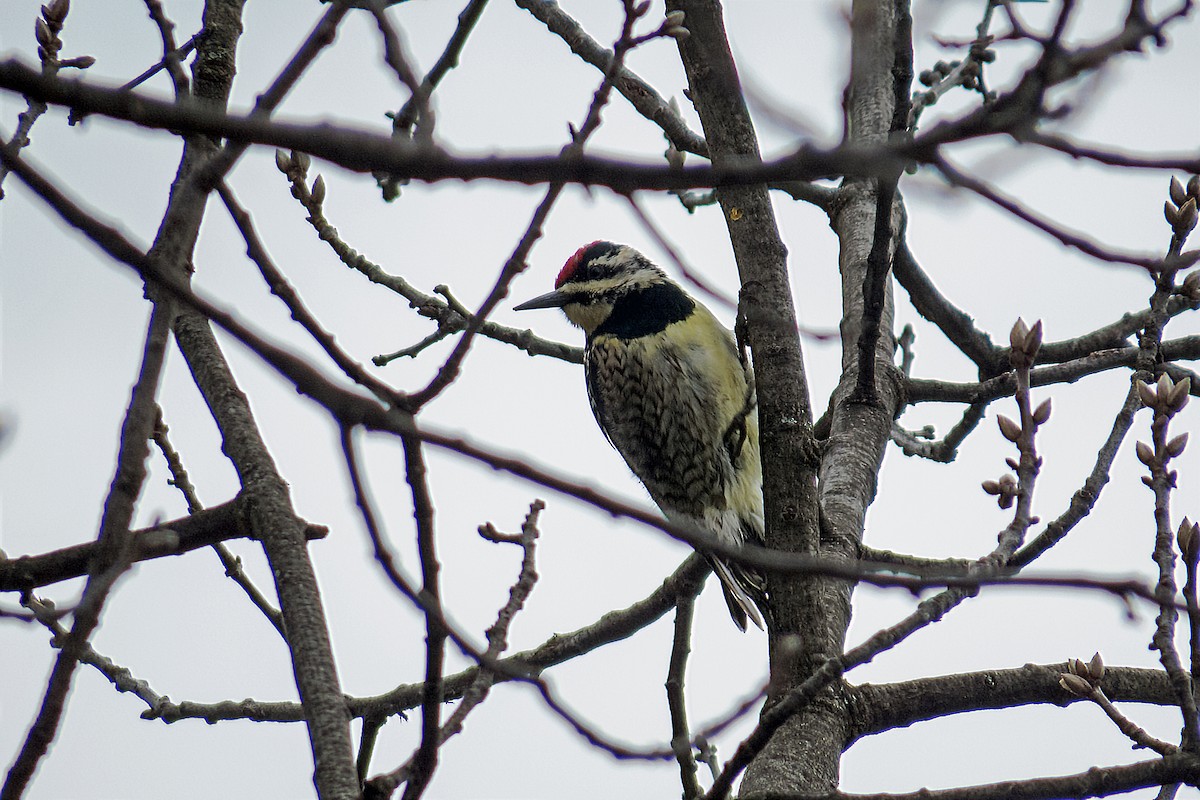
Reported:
(1084, 499)
(49, 25)
(515, 264)
(120, 677)
(424, 761)
(681, 737)
(689, 275)
(283, 290)
(641, 95)
(956, 324)
(113, 553)
(924, 391)
(944, 450)
(1069, 238)
(407, 115)
(448, 319)
(418, 104)
(874, 289)
(383, 785)
(614, 626)
(231, 563)
(172, 538)
(1103, 781)
(362, 151)
(171, 59)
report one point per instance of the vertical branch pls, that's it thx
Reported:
(1188, 539)
(1166, 398)
(425, 760)
(681, 736)
(271, 513)
(883, 246)
(113, 553)
(811, 609)
(382, 786)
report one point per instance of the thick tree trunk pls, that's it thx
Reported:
(810, 615)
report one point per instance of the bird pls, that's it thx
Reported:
(674, 394)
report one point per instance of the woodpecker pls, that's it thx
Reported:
(670, 390)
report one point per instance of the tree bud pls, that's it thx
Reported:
(1177, 193)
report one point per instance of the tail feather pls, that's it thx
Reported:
(744, 593)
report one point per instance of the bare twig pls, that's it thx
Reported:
(449, 321)
(1067, 237)
(120, 677)
(283, 290)
(172, 58)
(114, 551)
(945, 449)
(424, 761)
(497, 635)
(641, 95)
(681, 737)
(49, 25)
(515, 264)
(231, 563)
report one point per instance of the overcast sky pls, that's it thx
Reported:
(73, 323)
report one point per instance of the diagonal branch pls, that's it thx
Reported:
(111, 557)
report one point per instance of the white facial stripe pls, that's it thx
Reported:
(644, 276)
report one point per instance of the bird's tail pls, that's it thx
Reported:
(745, 593)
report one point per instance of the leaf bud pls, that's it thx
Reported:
(1187, 217)
(282, 162)
(1033, 341)
(302, 161)
(57, 11)
(1016, 337)
(1042, 412)
(1177, 193)
(991, 487)
(1075, 684)
(1193, 186)
(1186, 537)
(1009, 428)
(1171, 213)
(1147, 394)
(1145, 453)
(318, 190)
(1096, 668)
(1164, 386)
(41, 32)
(1175, 446)
(674, 19)
(1178, 398)
(1191, 285)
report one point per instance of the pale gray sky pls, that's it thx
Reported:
(73, 323)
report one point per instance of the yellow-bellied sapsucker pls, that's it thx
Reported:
(672, 394)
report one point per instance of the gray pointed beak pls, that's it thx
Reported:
(555, 299)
